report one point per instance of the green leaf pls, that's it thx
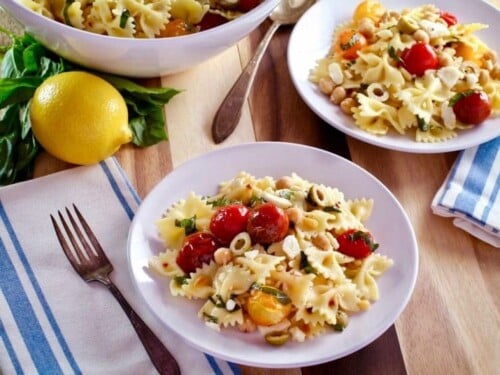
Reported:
(150, 129)
(422, 125)
(188, 224)
(457, 97)
(16, 90)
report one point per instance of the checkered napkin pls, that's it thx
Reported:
(470, 192)
(51, 321)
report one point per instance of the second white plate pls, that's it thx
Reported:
(311, 39)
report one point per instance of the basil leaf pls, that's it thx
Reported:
(422, 125)
(457, 97)
(16, 90)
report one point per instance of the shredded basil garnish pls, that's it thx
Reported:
(123, 18)
(210, 318)
(352, 41)
(305, 265)
(181, 280)
(280, 296)
(422, 125)
(189, 225)
(393, 54)
(360, 235)
(457, 97)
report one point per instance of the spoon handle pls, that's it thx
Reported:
(229, 113)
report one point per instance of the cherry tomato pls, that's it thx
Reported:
(211, 20)
(247, 5)
(198, 248)
(356, 243)
(472, 108)
(175, 27)
(418, 58)
(348, 44)
(265, 309)
(267, 223)
(369, 9)
(449, 18)
(228, 221)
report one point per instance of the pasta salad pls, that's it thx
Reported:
(287, 258)
(142, 18)
(417, 72)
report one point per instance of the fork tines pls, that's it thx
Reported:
(84, 233)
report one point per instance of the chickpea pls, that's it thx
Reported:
(484, 76)
(294, 214)
(338, 94)
(495, 72)
(490, 55)
(284, 182)
(445, 60)
(347, 105)
(326, 85)
(421, 36)
(367, 27)
(222, 255)
(321, 242)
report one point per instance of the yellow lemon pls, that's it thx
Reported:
(79, 118)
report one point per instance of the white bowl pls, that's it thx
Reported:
(136, 57)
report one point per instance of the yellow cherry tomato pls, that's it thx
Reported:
(349, 42)
(265, 309)
(469, 53)
(369, 9)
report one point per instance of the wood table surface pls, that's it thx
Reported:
(452, 322)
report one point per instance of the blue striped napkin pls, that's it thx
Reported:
(51, 321)
(470, 192)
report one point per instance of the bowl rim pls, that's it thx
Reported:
(18, 10)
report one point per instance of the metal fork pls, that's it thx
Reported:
(91, 263)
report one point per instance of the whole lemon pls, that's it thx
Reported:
(79, 118)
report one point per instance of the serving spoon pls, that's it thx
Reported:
(287, 12)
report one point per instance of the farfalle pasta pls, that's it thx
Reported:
(138, 18)
(405, 72)
(294, 287)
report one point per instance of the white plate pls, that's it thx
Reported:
(311, 40)
(389, 224)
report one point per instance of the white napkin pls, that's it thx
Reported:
(51, 321)
(470, 193)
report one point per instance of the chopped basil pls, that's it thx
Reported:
(210, 318)
(285, 193)
(123, 18)
(181, 280)
(305, 265)
(339, 327)
(352, 41)
(393, 54)
(220, 202)
(67, 4)
(332, 209)
(422, 125)
(457, 97)
(189, 225)
(255, 200)
(360, 235)
(217, 301)
(280, 296)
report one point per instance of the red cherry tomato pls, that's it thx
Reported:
(472, 108)
(247, 5)
(418, 58)
(449, 18)
(211, 20)
(356, 243)
(198, 248)
(228, 221)
(267, 223)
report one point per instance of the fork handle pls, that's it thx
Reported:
(161, 358)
